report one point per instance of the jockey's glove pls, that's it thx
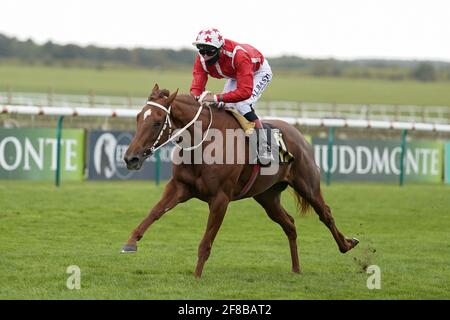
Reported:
(213, 104)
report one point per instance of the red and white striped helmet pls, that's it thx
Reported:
(210, 37)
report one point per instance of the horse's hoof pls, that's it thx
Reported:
(355, 241)
(129, 248)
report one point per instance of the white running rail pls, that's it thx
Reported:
(314, 122)
(408, 113)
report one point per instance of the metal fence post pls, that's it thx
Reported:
(402, 157)
(158, 167)
(330, 155)
(58, 151)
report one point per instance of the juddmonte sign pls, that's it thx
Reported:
(31, 154)
(106, 152)
(368, 160)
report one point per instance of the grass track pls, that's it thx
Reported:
(43, 230)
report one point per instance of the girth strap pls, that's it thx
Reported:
(250, 181)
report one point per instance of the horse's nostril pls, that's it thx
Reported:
(131, 160)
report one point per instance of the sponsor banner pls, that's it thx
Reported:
(447, 163)
(369, 160)
(30, 154)
(106, 152)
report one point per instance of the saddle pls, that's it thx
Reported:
(273, 133)
(247, 126)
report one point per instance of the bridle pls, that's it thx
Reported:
(168, 124)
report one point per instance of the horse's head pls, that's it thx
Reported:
(151, 124)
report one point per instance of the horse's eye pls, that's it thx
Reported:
(157, 124)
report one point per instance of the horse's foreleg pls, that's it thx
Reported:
(217, 209)
(174, 194)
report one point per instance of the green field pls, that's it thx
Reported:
(43, 230)
(138, 82)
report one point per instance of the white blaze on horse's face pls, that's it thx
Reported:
(150, 123)
(147, 113)
(151, 119)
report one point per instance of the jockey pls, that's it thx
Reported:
(247, 72)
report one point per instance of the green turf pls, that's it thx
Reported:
(138, 83)
(43, 230)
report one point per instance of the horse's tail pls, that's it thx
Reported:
(302, 205)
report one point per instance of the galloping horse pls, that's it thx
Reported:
(218, 184)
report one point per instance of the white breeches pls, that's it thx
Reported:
(261, 80)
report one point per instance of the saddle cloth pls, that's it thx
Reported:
(284, 155)
(249, 127)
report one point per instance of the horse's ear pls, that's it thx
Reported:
(155, 89)
(171, 97)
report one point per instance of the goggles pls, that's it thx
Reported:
(207, 51)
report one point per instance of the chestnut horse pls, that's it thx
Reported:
(218, 184)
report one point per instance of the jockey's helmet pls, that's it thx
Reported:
(209, 37)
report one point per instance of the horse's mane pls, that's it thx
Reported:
(164, 93)
(187, 98)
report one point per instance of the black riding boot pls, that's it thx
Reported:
(264, 150)
(260, 143)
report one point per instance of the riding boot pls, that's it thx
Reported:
(264, 149)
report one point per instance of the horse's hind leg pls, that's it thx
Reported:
(174, 193)
(309, 189)
(270, 201)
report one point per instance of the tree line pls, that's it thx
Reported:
(13, 50)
